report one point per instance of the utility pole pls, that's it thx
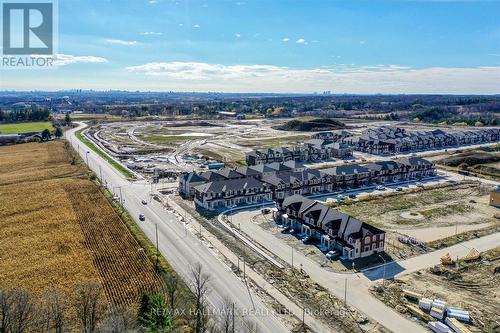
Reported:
(292, 256)
(244, 269)
(121, 197)
(233, 318)
(157, 252)
(100, 172)
(345, 292)
(303, 318)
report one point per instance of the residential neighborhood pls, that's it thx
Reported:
(386, 140)
(333, 229)
(226, 187)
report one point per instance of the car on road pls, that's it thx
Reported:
(399, 189)
(142, 217)
(352, 196)
(331, 255)
(419, 185)
(340, 197)
(306, 239)
(265, 210)
(380, 188)
(144, 202)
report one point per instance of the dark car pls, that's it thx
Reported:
(352, 196)
(142, 217)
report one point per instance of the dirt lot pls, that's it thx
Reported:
(57, 229)
(459, 205)
(472, 286)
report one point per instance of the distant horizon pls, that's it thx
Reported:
(348, 47)
(74, 90)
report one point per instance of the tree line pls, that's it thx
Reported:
(87, 311)
(33, 114)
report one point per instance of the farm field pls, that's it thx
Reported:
(58, 230)
(19, 128)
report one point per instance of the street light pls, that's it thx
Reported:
(87, 156)
(383, 277)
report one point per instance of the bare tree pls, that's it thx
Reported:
(119, 321)
(20, 311)
(52, 311)
(5, 310)
(200, 287)
(227, 316)
(172, 289)
(89, 306)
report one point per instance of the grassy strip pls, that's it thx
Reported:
(19, 128)
(96, 149)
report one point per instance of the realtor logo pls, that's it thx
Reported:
(28, 28)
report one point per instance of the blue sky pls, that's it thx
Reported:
(433, 46)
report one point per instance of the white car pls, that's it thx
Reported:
(380, 187)
(332, 255)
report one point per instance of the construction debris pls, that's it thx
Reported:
(472, 255)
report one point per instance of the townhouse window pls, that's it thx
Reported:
(367, 239)
(382, 236)
(367, 248)
(381, 245)
(374, 238)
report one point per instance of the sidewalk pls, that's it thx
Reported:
(313, 323)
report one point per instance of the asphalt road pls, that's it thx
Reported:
(181, 250)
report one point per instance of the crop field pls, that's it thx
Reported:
(19, 128)
(57, 229)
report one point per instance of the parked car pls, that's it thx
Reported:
(306, 239)
(144, 202)
(285, 230)
(380, 188)
(340, 197)
(265, 210)
(399, 189)
(352, 196)
(142, 217)
(332, 254)
(419, 185)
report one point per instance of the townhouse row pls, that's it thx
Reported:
(214, 190)
(310, 151)
(394, 140)
(334, 230)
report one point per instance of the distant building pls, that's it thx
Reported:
(313, 150)
(495, 197)
(394, 140)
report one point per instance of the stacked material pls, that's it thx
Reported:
(472, 255)
(446, 259)
(425, 303)
(438, 327)
(457, 326)
(411, 295)
(459, 314)
(440, 304)
(437, 313)
(418, 313)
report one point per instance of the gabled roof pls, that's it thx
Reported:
(247, 171)
(211, 176)
(228, 173)
(229, 185)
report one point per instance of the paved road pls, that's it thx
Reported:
(180, 250)
(358, 294)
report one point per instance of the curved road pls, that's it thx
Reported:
(180, 249)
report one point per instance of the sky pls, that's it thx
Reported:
(348, 46)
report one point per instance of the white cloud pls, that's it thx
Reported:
(362, 42)
(151, 33)
(67, 59)
(122, 42)
(340, 78)
(153, 1)
(196, 26)
(285, 39)
(300, 41)
(181, 25)
(237, 35)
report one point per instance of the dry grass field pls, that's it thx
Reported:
(57, 229)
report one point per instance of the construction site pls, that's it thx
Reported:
(468, 286)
